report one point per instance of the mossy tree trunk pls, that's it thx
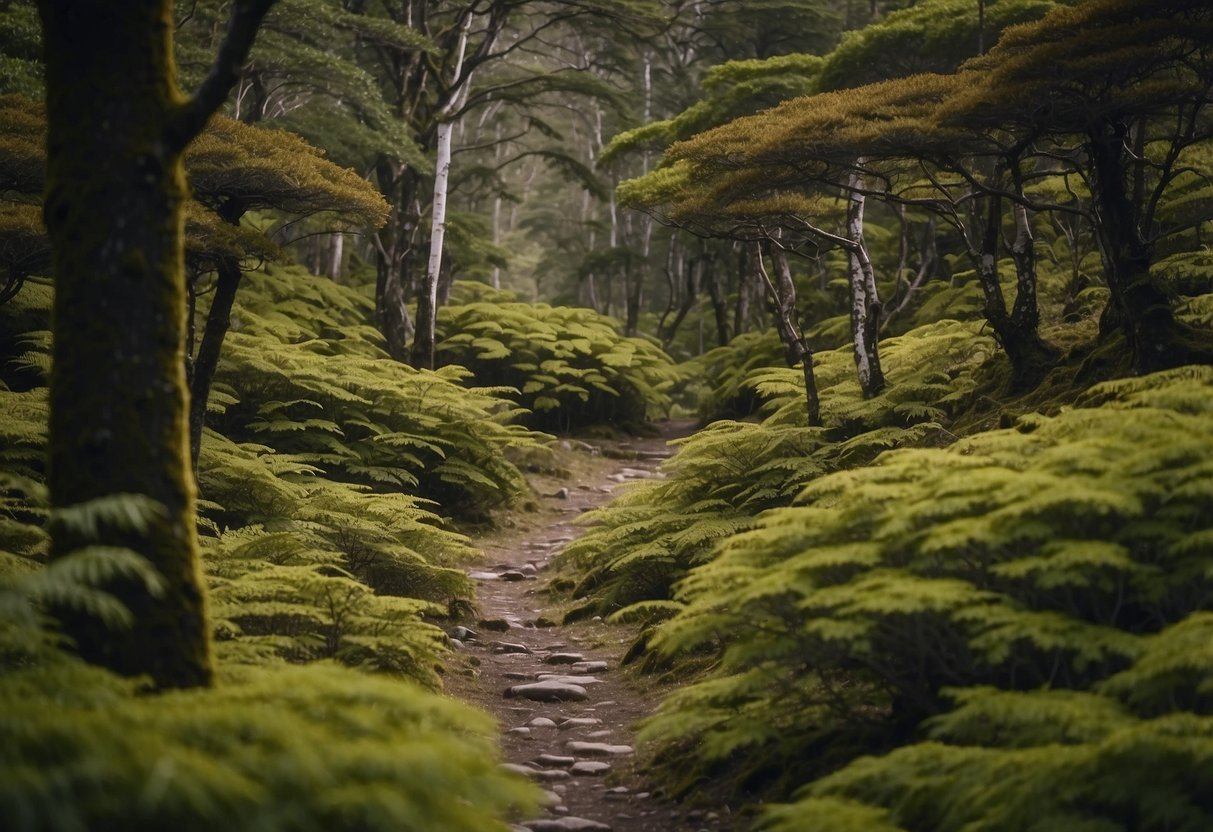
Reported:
(865, 302)
(117, 126)
(796, 350)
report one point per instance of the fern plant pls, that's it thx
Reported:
(1071, 553)
(569, 367)
(647, 539)
(306, 375)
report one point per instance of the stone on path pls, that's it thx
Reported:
(483, 576)
(548, 691)
(598, 749)
(499, 625)
(509, 647)
(591, 667)
(463, 634)
(513, 575)
(555, 760)
(541, 722)
(566, 824)
(564, 658)
(579, 722)
(569, 680)
(590, 767)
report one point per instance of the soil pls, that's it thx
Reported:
(517, 613)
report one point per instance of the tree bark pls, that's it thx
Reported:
(1140, 308)
(115, 189)
(720, 309)
(796, 350)
(865, 303)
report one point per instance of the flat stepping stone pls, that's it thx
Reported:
(555, 760)
(548, 691)
(564, 658)
(525, 771)
(569, 680)
(547, 775)
(499, 625)
(579, 722)
(516, 676)
(593, 768)
(483, 576)
(598, 749)
(566, 824)
(542, 722)
(512, 575)
(509, 647)
(591, 667)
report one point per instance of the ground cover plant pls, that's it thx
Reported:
(569, 367)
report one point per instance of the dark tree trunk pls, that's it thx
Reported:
(392, 273)
(206, 362)
(1030, 356)
(720, 308)
(118, 401)
(1138, 306)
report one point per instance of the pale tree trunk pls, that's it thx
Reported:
(427, 298)
(865, 304)
(796, 350)
(336, 257)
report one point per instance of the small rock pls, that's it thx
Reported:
(592, 768)
(579, 722)
(521, 732)
(555, 760)
(593, 735)
(591, 667)
(569, 680)
(618, 790)
(525, 771)
(516, 676)
(566, 824)
(483, 576)
(528, 568)
(564, 658)
(598, 749)
(560, 494)
(548, 692)
(541, 722)
(544, 621)
(550, 799)
(549, 774)
(497, 625)
(463, 634)
(642, 795)
(512, 575)
(509, 647)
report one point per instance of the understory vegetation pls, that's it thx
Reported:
(933, 276)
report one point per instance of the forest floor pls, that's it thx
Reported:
(566, 709)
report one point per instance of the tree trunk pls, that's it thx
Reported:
(218, 321)
(796, 350)
(720, 309)
(336, 256)
(1142, 310)
(865, 304)
(117, 126)
(427, 298)
(1030, 357)
(393, 244)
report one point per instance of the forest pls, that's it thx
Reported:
(833, 378)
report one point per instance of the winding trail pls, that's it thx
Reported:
(566, 709)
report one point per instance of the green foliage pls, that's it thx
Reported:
(1049, 579)
(305, 374)
(315, 748)
(569, 367)
(648, 538)
(930, 36)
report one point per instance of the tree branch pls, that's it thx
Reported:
(193, 114)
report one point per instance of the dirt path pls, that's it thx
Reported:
(566, 709)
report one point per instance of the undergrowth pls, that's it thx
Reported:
(646, 540)
(568, 367)
(1019, 619)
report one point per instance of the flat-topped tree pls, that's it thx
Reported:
(1129, 82)
(117, 128)
(235, 168)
